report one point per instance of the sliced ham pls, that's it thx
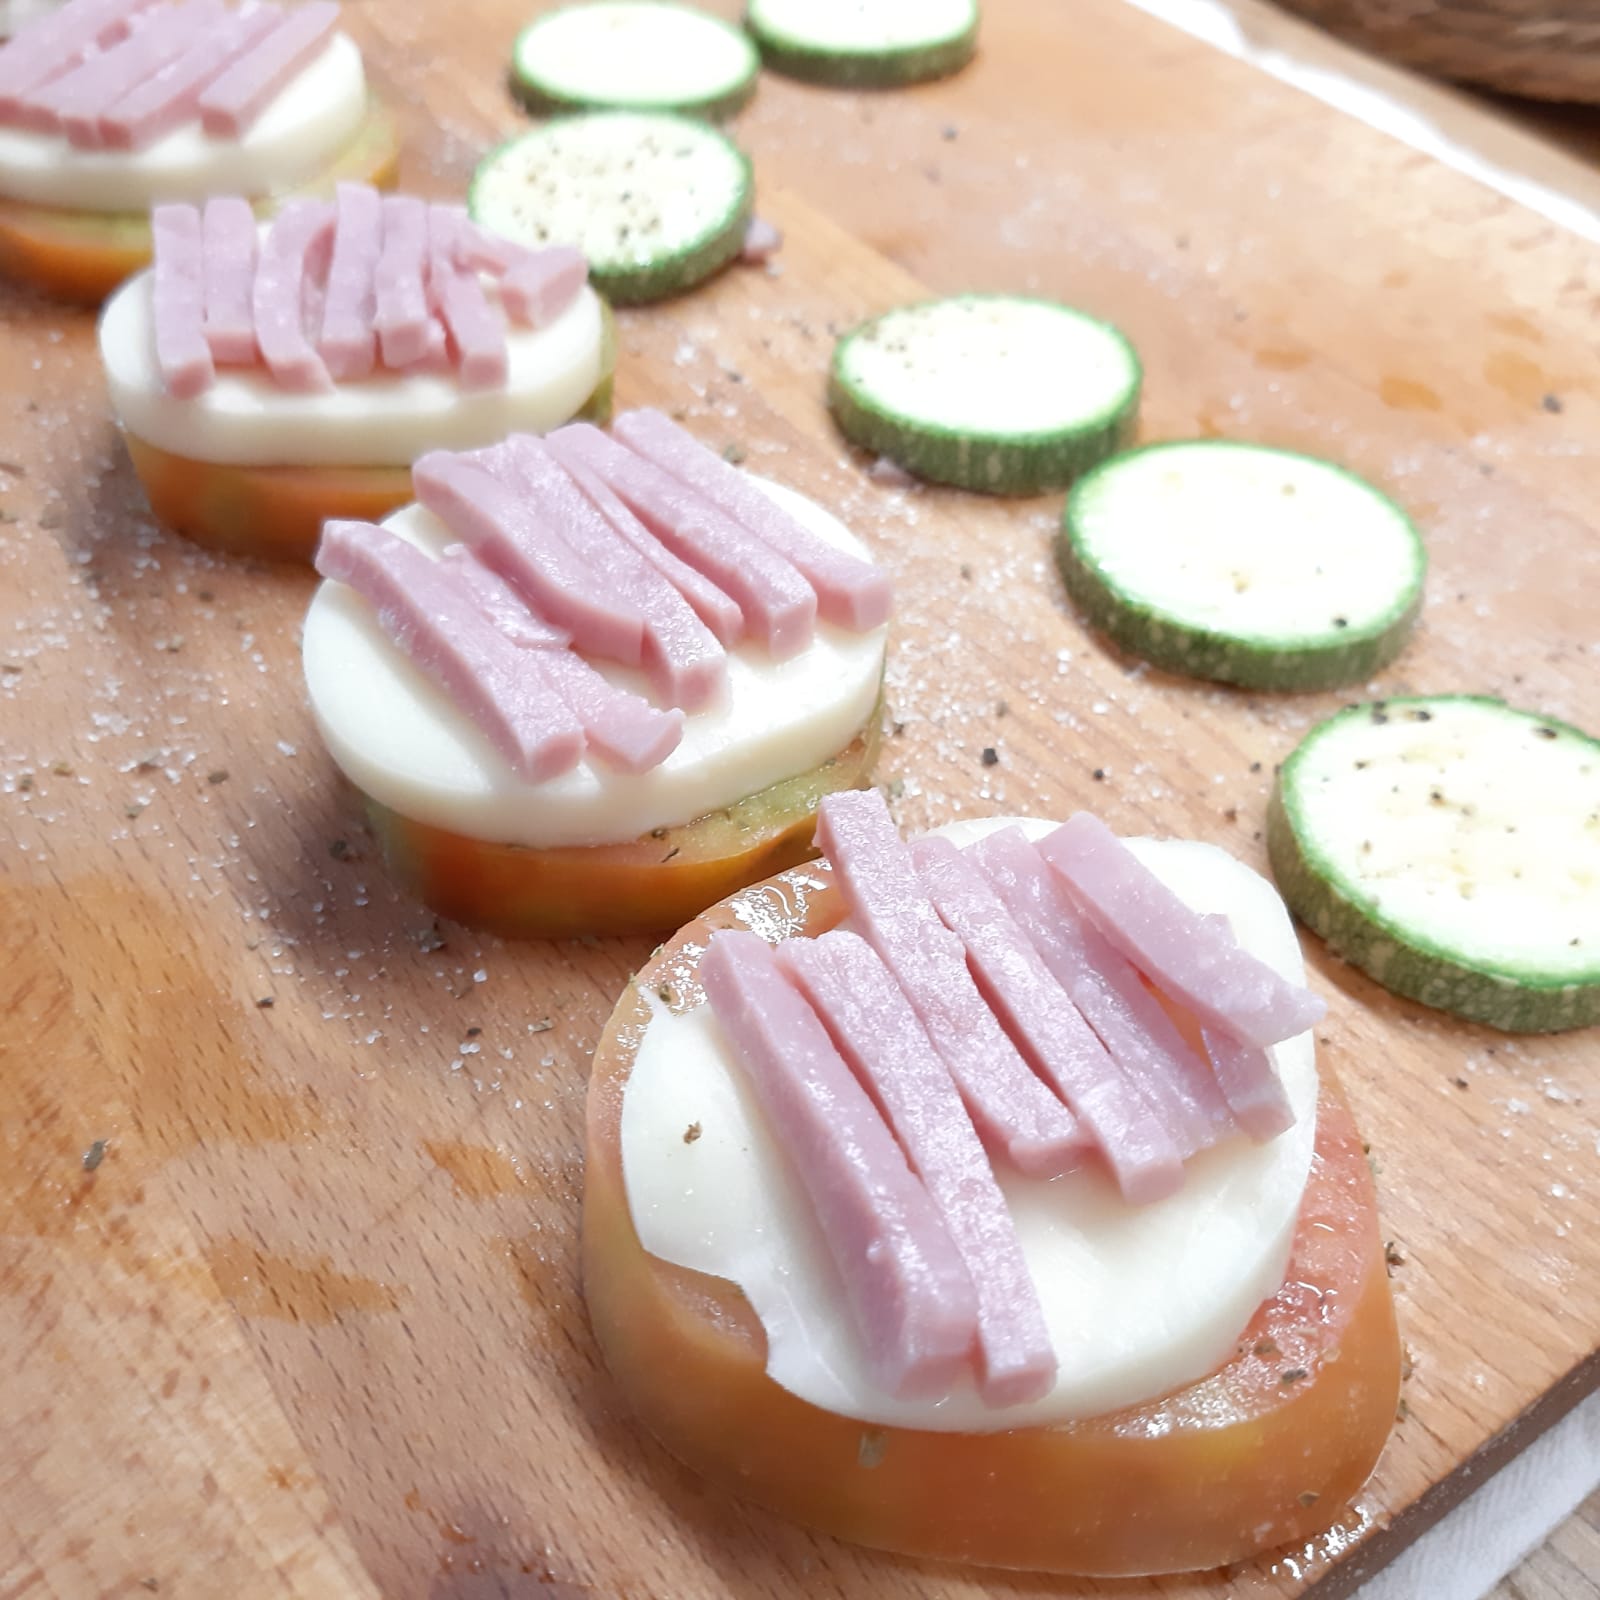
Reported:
(294, 249)
(509, 535)
(170, 96)
(49, 49)
(1010, 1106)
(706, 600)
(347, 342)
(1143, 1040)
(623, 728)
(1048, 1029)
(762, 241)
(536, 286)
(425, 610)
(71, 104)
(273, 56)
(1197, 962)
(477, 333)
(405, 325)
(229, 231)
(910, 1297)
(1254, 1091)
(502, 605)
(177, 300)
(850, 592)
(777, 603)
(685, 663)
(874, 1028)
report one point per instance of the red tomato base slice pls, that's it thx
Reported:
(1266, 1451)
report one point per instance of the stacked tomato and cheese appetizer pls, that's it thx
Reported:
(108, 107)
(977, 1198)
(268, 379)
(590, 683)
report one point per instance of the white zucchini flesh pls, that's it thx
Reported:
(1450, 847)
(656, 202)
(640, 54)
(1139, 1300)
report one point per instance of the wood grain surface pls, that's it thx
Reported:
(290, 1175)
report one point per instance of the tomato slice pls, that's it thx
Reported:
(649, 885)
(82, 256)
(1265, 1451)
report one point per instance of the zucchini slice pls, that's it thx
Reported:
(1000, 393)
(1244, 564)
(640, 55)
(656, 202)
(864, 44)
(1450, 848)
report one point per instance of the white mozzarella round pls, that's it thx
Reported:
(312, 118)
(15, 15)
(386, 420)
(400, 738)
(1139, 1299)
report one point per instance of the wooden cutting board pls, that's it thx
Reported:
(312, 1325)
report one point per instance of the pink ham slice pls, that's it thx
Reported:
(424, 609)
(55, 44)
(874, 1028)
(1195, 961)
(500, 526)
(477, 332)
(777, 603)
(177, 299)
(686, 664)
(626, 730)
(71, 104)
(1254, 1091)
(501, 604)
(706, 600)
(229, 268)
(536, 286)
(1175, 1082)
(347, 343)
(294, 249)
(1048, 1029)
(1011, 1108)
(405, 326)
(169, 97)
(851, 593)
(231, 103)
(909, 1295)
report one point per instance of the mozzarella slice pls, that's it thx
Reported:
(312, 118)
(401, 740)
(1138, 1299)
(386, 420)
(15, 15)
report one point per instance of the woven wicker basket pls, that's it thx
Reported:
(1549, 49)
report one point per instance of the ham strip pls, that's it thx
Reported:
(55, 44)
(477, 333)
(347, 343)
(874, 1028)
(71, 104)
(685, 663)
(511, 537)
(536, 285)
(177, 299)
(778, 604)
(272, 57)
(909, 1295)
(851, 593)
(169, 97)
(706, 600)
(1254, 1091)
(1048, 1029)
(289, 257)
(429, 615)
(402, 317)
(625, 729)
(1196, 962)
(1009, 1105)
(1176, 1083)
(229, 269)
(501, 604)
